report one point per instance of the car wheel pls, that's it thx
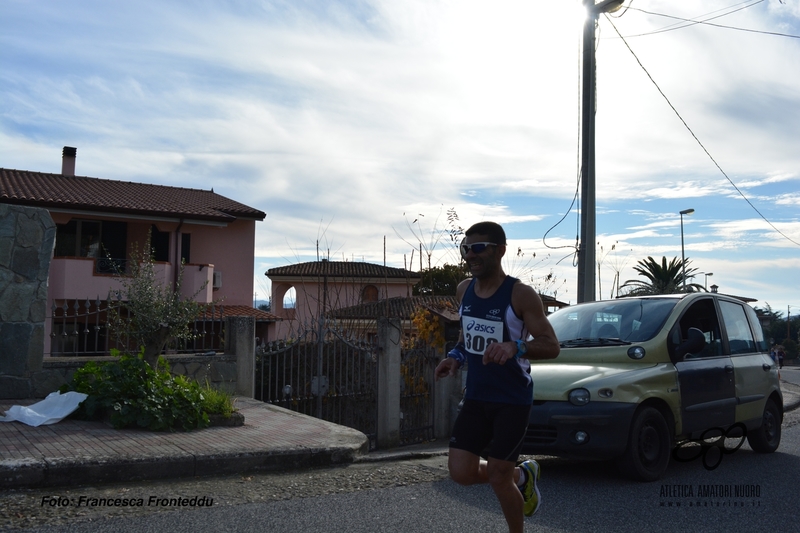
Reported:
(649, 446)
(767, 437)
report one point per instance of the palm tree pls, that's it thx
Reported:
(662, 278)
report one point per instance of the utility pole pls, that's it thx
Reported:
(586, 251)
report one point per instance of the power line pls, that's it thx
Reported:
(695, 136)
(695, 20)
(692, 22)
(574, 247)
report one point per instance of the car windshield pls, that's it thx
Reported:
(622, 321)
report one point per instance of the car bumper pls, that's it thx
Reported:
(554, 426)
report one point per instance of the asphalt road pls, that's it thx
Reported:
(576, 496)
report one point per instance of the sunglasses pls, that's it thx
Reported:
(476, 247)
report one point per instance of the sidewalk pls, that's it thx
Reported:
(75, 451)
(78, 452)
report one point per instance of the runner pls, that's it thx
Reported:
(498, 316)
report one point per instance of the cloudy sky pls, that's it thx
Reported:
(355, 123)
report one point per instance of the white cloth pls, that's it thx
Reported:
(52, 409)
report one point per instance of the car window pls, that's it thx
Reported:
(757, 328)
(740, 338)
(702, 315)
(630, 319)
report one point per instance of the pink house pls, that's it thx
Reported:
(322, 286)
(99, 220)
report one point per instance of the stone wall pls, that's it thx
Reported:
(218, 370)
(27, 235)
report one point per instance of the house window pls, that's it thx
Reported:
(78, 238)
(369, 294)
(106, 241)
(159, 242)
(186, 244)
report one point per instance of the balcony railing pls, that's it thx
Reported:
(111, 265)
(80, 328)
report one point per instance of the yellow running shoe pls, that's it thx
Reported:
(530, 491)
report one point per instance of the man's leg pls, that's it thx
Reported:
(466, 468)
(502, 476)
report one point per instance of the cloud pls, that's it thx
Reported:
(337, 118)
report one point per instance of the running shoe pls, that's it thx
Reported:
(530, 491)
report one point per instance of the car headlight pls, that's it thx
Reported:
(579, 396)
(636, 352)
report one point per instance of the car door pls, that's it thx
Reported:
(706, 377)
(751, 363)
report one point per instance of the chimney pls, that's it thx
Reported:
(68, 161)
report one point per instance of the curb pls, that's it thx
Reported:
(42, 473)
(791, 396)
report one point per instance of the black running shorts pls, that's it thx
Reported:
(499, 426)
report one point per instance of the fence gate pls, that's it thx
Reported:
(324, 376)
(336, 379)
(417, 367)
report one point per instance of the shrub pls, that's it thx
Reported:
(133, 393)
(216, 401)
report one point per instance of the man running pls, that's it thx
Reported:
(498, 315)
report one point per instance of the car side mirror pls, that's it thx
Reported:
(695, 342)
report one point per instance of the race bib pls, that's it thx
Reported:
(480, 333)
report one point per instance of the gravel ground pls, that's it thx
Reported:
(22, 509)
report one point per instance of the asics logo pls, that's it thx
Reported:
(474, 326)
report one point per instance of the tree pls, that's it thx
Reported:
(150, 313)
(440, 281)
(662, 278)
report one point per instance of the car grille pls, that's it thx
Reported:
(540, 434)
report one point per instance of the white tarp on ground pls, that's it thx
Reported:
(52, 409)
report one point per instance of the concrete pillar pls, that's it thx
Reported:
(388, 383)
(447, 394)
(240, 340)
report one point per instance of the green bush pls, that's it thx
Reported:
(133, 393)
(216, 401)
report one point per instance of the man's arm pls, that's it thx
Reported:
(449, 365)
(527, 303)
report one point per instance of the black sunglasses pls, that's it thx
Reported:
(476, 247)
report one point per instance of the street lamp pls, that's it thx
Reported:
(705, 283)
(683, 256)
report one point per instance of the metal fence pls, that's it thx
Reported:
(322, 375)
(416, 394)
(80, 328)
(336, 379)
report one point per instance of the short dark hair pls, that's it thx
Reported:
(493, 230)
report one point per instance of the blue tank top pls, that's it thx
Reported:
(488, 320)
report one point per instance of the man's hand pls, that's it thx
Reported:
(499, 352)
(446, 368)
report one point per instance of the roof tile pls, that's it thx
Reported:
(347, 269)
(94, 194)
